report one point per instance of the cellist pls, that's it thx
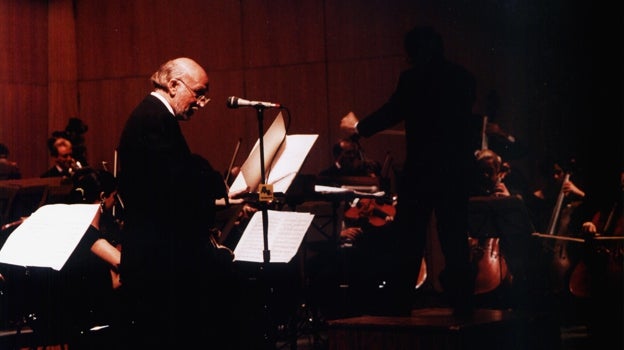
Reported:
(598, 277)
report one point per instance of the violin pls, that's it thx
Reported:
(377, 211)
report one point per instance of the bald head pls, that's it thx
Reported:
(184, 83)
(178, 68)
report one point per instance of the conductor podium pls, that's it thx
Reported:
(428, 329)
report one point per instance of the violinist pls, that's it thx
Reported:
(358, 259)
(358, 263)
(61, 153)
(350, 160)
(84, 293)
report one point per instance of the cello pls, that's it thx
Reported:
(604, 251)
(485, 252)
(561, 263)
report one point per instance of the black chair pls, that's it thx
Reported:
(24, 202)
(7, 195)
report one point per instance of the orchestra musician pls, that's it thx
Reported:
(84, 293)
(492, 171)
(559, 182)
(597, 278)
(499, 233)
(349, 160)
(9, 169)
(354, 260)
(64, 163)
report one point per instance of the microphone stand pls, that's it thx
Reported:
(266, 253)
(268, 335)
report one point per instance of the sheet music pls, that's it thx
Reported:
(330, 189)
(283, 158)
(48, 236)
(289, 160)
(285, 233)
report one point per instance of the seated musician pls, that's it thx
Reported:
(499, 231)
(358, 263)
(606, 217)
(8, 168)
(561, 189)
(61, 153)
(361, 258)
(83, 293)
(492, 173)
(349, 161)
(597, 278)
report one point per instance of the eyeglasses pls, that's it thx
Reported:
(201, 98)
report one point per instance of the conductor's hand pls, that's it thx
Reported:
(348, 123)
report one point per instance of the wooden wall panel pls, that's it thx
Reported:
(63, 96)
(106, 40)
(369, 28)
(302, 90)
(105, 106)
(23, 83)
(131, 38)
(24, 126)
(24, 42)
(282, 32)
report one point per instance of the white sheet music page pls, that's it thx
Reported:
(283, 158)
(48, 236)
(288, 161)
(285, 233)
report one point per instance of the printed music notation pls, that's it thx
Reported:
(285, 233)
(48, 236)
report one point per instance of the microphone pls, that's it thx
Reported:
(235, 102)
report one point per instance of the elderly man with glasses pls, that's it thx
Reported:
(167, 270)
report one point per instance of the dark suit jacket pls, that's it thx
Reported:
(164, 229)
(435, 102)
(54, 172)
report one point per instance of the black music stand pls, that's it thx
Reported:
(284, 165)
(269, 336)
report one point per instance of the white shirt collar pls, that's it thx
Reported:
(166, 103)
